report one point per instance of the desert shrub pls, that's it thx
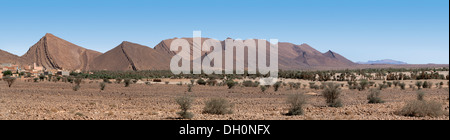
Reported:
(276, 86)
(422, 108)
(69, 79)
(231, 84)
(296, 102)
(291, 85)
(102, 86)
(218, 106)
(426, 85)
(396, 83)
(402, 86)
(263, 88)
(192, 81)
(249, 83)
(118, 80)
(297, 85)
(420, 95)
(371, 83)
(201, 82)
(76, 88)
(190, 86)
(106, 80)
(41, 77)
(389, 84)
(9, 80)
(312, 85)
(419, 84)
(350, 83)
(331, 93)
(78, 80)
(374, 97)
(382, 86)
(211, 82)
(55, 80)
(136, 80)
(166, 82)
(363, 84)
(411, 86)
(127, 82)
(36, 80)
(185, 104)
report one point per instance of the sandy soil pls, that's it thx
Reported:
(49, 101)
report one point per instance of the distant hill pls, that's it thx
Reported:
(290, 56)
(52, 52)
(385, 61)
(6, 57)
(131, 56)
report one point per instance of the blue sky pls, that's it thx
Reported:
(415, 31)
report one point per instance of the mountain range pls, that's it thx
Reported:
(384, 61)
(52, 52)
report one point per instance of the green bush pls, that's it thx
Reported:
(374, 97)
(201, 82)
(402, 86)
(218, 106)
(9, 80)
(363, 84)
(382, 86)
(389, 84)
(7, 73)
(277, 85)
(296, 102)
(249, 83)
(426, 84)
(419, 84)
(36, 80)
(331, 93)
(231, 84)
(263, 88)
(185, 104)
(396, 83)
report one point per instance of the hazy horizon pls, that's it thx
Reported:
(412, 31)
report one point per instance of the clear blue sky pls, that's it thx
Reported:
(415, 31)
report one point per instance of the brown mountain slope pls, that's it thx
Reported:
(52, 52)
(131, 56)
(6, 57)
(290, 56)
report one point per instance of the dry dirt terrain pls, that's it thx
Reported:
(57, 101)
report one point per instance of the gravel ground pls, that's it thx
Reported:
(57, 101)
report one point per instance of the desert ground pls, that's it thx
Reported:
(57, 101)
